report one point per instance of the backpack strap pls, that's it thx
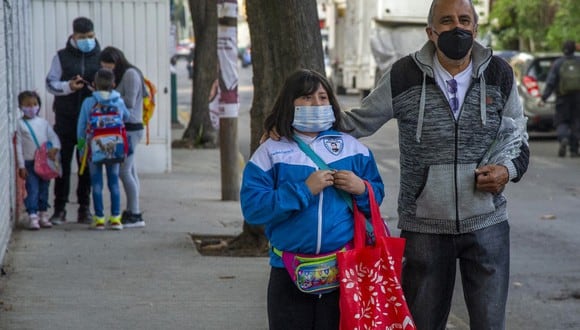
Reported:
(322, 165)
(31, 132)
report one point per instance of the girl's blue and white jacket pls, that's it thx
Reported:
(274, 193)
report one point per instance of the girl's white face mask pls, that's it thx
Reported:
(313, 119)
(30, 112)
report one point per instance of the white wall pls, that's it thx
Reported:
(140, 28)
(31, 31)
(15, 76)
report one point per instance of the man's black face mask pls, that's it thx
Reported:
(455, 43)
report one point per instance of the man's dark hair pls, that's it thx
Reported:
(82, 25)
(569, 47)
(104, 80)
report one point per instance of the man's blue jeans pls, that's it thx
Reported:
(36, 190)
(429, 272)
(113, 184)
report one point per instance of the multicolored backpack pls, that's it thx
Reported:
(107, 135)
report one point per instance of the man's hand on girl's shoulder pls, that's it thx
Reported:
(273, 134)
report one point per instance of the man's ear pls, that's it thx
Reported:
(430, 32)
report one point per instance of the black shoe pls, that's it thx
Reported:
(562, 149)
(84, 216)
(125, 215)
(133, 220)
(58, 218)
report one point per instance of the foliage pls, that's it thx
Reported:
(534, 25)
(566, 25)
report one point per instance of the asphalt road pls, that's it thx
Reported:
(544, 217)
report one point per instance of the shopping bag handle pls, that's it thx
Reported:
(360, 220)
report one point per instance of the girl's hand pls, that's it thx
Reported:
(349, 182)
(319, 180)
(22, 173)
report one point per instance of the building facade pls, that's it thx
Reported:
(31, 31)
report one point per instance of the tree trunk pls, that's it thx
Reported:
(285, 37)
(199, 131)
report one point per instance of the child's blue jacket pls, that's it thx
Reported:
(274, 193)
(114, 98)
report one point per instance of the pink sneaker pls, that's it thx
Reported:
(44, 220)
(33, 222)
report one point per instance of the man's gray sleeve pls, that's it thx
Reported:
(53, 83)
(376, 109)
(514, 109)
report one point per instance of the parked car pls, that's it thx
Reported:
(507, 55)
(183, 50)
(531, 72)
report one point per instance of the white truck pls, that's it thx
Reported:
(367, 36)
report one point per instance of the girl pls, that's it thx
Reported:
(31, 128)
(300, 204)
(129, 82)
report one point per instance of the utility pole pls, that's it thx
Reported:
(228, 98)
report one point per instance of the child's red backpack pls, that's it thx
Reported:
(107, 135)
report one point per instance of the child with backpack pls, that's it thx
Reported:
(103, 141)
(33, 132)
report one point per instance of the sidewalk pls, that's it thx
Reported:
(69, 277)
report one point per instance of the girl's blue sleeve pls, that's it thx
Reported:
(265, 201)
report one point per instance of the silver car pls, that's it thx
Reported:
(531, 72)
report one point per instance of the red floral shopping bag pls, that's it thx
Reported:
(371, 296)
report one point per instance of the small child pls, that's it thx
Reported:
(103, 96)
(31, 128)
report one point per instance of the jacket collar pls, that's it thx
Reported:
(480, 57)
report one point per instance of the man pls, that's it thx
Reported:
(71, 72)
(449, 99)
(564, 79)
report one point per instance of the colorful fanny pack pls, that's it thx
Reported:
(312, 273)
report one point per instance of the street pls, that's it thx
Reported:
(544, 213)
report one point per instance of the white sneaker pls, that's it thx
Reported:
(44, 220)
(33, 222)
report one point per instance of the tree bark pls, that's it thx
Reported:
(285, 37)
(199, 131)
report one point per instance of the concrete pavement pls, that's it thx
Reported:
(69, 277)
